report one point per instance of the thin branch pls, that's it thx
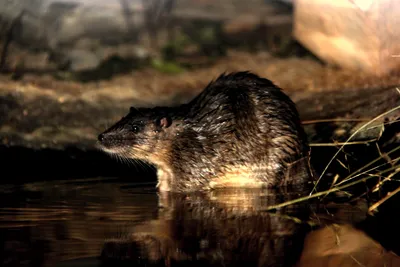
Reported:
(333, 120)
(352, 175)
(335, 189)
(358, 130)
(344, 143)
(377, 204)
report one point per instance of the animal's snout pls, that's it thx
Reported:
(105, 140)
(110, 139)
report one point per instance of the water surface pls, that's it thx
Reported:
(109, 222)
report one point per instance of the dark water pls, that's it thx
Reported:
(109, 222)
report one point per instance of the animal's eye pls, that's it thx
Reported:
(135, 129)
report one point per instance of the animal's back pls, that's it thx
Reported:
(242, 130)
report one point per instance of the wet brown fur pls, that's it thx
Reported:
(241, 131)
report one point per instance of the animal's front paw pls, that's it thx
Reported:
(164, 180)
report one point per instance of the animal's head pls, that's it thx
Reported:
(139, 134)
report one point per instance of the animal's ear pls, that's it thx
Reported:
(164, 122)
(133, 110)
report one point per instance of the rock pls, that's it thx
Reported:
(343, 245)
(359, 35)
(81, 60)
(77, 33)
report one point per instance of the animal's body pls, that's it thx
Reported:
(240, 131)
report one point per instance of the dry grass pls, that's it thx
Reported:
(351, 137)
(392, 168)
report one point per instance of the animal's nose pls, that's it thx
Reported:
(101, 137)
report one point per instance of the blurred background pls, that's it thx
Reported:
(71, 68)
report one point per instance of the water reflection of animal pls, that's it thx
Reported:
(241, 131)
(218, 228)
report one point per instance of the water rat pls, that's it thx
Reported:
(240, 131)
